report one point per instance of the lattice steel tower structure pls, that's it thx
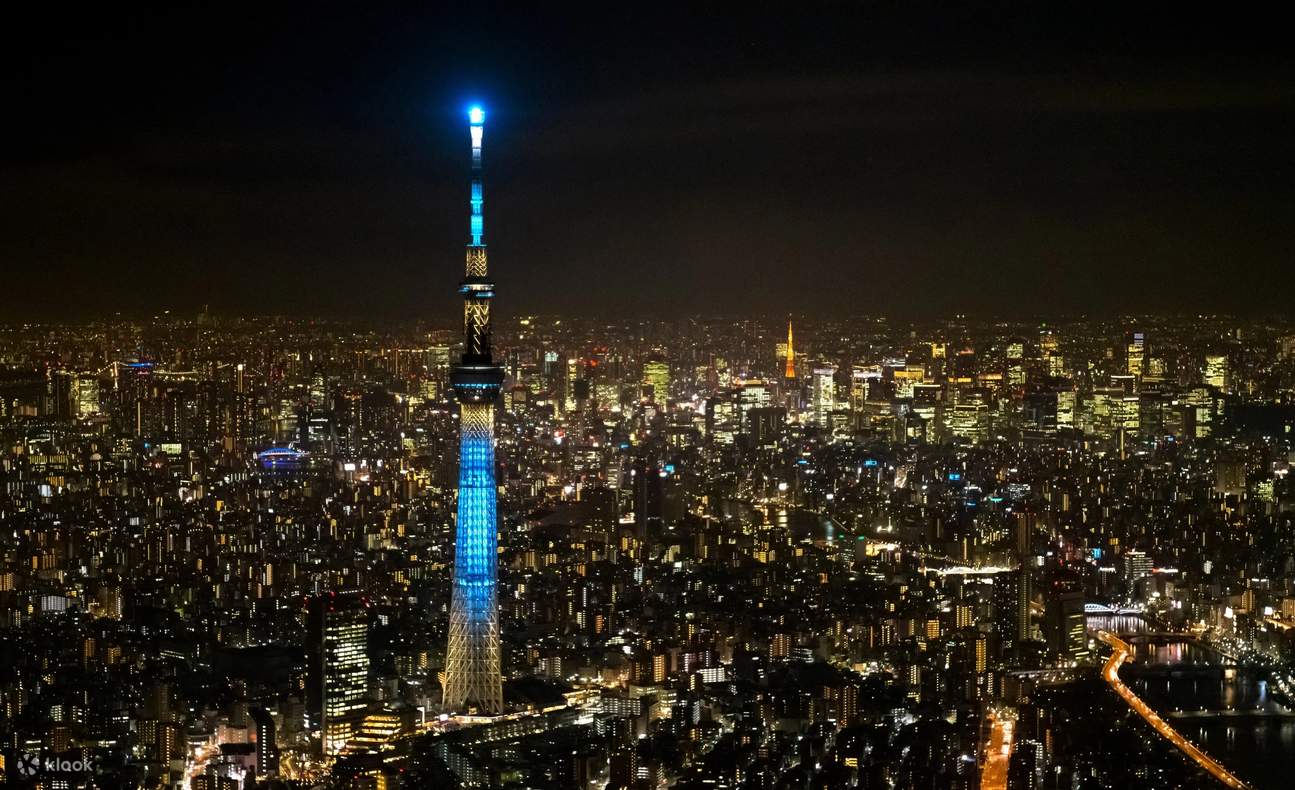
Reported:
(791, 354)
(473, 680)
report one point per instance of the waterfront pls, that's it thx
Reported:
(1228, 714)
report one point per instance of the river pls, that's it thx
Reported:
(1217, 713)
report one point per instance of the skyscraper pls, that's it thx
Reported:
(656, 375)
(1216, 371)
(267, 750)
(473, 680)
(1066, 621)
(338, 647)
(824, 394)
(1135, 353)
(1137, 566)
(1011, 600)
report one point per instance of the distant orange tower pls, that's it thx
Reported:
(791, 354)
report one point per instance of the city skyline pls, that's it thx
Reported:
(936, 552)
(880, 400)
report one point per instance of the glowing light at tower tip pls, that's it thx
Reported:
(476, 115)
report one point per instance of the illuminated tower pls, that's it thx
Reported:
(791, 354)
(472, 675)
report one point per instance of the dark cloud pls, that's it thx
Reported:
(736, 164)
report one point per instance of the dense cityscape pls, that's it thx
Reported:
(751, 398)
(738, 553)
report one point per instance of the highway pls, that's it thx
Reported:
(1120, 654)
(999, 752)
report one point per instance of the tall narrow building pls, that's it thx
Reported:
(790, 372)
(338, 650)
(473, 680)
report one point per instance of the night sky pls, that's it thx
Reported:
(852, 160)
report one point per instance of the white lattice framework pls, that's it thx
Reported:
(476, 326)
(473, 679)
(476, 261)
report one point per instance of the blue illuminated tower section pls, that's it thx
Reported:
(473, 681)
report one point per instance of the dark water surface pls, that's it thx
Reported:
(1222, 713)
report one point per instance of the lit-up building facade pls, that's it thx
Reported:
(338, 643)
(473, 679)
(1216, 371)
(824, 394)
(656, 376)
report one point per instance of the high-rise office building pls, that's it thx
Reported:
(1011, 599)
(1216, 371)
(824, 394)
(970, 416)
(473, 678)
(86, 395)
(1023, 766)
(1067, 623)
(338, 647)
(570, 384)
(656, 377)
(1137, 566)
(752, 394)
(267, 749)
(1135, 354)
(1016, 364)
(1066, 409)
(61, 394)
(134, 382)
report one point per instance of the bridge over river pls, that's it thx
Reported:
(1224, 709)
